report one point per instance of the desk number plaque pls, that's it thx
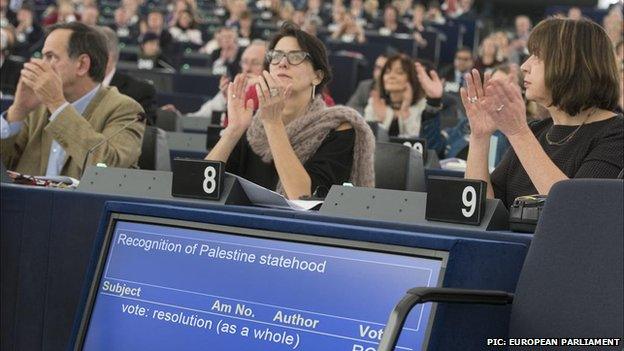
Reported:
(418, 144)
(455, 200)
(199, 179)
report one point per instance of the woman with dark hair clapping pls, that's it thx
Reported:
(408, 101)
(294, 143)
(572, 72)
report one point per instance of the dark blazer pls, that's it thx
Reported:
(448, 73)
(9, 75)
(139, 90)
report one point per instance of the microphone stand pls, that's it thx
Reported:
(139, 118)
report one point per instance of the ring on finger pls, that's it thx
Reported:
(472, 99)
(274, 92)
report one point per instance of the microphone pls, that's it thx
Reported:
(140, 117)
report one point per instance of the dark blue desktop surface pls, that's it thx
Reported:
(165, 287)
(48, 236)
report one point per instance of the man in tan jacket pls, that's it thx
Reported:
(61, 110)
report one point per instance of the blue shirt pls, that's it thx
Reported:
(57, 153)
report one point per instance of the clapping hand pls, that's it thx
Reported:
(45, 82)
(505, 106)
(473, 98)
(239, 111)
(272, 95)
(431, 83)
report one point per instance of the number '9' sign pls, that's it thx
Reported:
(455, 200)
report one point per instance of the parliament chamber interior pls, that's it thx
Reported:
(357, 175)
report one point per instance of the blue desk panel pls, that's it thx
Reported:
(48, 235)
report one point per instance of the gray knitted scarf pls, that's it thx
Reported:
(307, 132)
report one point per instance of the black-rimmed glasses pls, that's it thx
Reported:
(293, 57)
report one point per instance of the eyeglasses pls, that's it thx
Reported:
(293, 57)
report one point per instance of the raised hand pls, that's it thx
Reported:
(481, 124)
(25, 101)
(272, 95)
(504, 104)
(431, 83)
(239, 111)
(45, 82)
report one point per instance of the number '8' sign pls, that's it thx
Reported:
(455, 200)
(197, 178)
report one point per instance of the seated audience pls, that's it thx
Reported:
(28, 33)
(362, 93)
(246, 31)
(151, 55)
(64, 12)
(90, 15)
(454, 75)
(573, 73)
(417, 24)
(9, 68)
(156, 24)
(61, 110)
(251, 63)
(185, 30)
(7, 16)
(408, 101)
(391, 22)
(294, 143)
(122, 25)
(488, 55)
(140, 90)
(518, 47)
(348, 30)
(226, 58)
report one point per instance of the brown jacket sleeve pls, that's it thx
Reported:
(11, 148)
(77, 135)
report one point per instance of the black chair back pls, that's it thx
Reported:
(398, 167)
(572, 280)
(168, 121)
(154, 150)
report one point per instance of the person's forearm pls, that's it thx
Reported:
(477, 164)
(540, 168)
(222, 150)
(295, 179)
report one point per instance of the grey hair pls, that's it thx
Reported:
(112, 42)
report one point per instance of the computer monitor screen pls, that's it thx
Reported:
(178, 285)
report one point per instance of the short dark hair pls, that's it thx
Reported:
(579, 64)
(89, 41)
(311, 44)
(464, 49)
(412, 78)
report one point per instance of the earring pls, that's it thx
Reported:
(313, 91)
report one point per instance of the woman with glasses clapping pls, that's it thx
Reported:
(294, 144)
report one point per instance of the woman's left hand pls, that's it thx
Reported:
(272, 95)
(432, 85)
(505, 106)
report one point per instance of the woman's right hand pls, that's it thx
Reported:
(239, 111)
(481, 124)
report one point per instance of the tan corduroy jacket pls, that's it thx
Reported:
(28, 151)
